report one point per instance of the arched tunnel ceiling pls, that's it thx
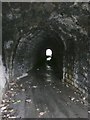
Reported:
(26, 22)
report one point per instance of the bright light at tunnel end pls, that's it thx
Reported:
(49, 54)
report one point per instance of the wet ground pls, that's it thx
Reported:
(40, 94)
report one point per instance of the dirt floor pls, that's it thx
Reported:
(40, 94)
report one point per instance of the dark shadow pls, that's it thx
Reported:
(39, 54)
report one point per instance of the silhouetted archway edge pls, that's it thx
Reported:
(38, 31)
(37, 41)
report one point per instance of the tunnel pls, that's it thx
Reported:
(46, 40)
(45, 59)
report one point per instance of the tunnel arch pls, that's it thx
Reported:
(35, 52)
(61, 26)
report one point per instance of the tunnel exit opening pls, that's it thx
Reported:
(48, 54)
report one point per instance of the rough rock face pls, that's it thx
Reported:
(2, 78)
(29, 27)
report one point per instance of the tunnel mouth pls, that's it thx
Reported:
(64, 32)
(46, 48)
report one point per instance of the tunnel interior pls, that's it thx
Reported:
(55, 84)
(37, 57)
(32, 30)
(57, 53)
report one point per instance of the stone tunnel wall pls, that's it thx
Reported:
(76, 68)
(70, 23)
(3, 75)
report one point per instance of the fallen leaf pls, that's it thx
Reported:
(42, 113)
(8, 115)
(84, 98)
(77, 100)
(60, 91)
(37, 109)
(34, 86)
(89, 112)
(23, 90)
(21, 85)
(72, 98)
(11, 89)
(13, 95)
(12, 117)
(18, 101)
(3, 108)
(29, 100)
(11, 111)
